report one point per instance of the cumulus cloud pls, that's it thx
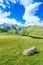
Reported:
(29, 15)
(14, 1)
(3, 16)
(1, 0)
(30, 10)
(26, 2)
(4, 19)
(9, 21)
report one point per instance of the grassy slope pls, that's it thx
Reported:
(36, 31)
(2, 30)
(12, 46)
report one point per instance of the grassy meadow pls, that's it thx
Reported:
(12, 47)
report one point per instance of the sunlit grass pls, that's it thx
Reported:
(12, 47)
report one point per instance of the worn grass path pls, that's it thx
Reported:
(12, 46)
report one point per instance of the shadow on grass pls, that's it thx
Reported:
(37, 52)
(35, 37)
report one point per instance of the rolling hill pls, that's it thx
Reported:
(33, 31)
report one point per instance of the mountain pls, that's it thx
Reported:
(32, 31)
(13, 28)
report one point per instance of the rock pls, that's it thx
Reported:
(30, 51)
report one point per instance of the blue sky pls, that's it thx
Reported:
(39, 13)
(21, 12)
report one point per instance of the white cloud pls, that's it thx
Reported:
(10, 21)
(3, 6)
(4, 19)
(1, 0)
(32, 20)
(14, 1)
(26, 2)
(3, 16)
(29, 15)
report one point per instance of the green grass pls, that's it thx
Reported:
(12, 46)
(36, 31)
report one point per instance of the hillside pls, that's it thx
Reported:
(33, 31)
(12, 47)
(2, 30)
